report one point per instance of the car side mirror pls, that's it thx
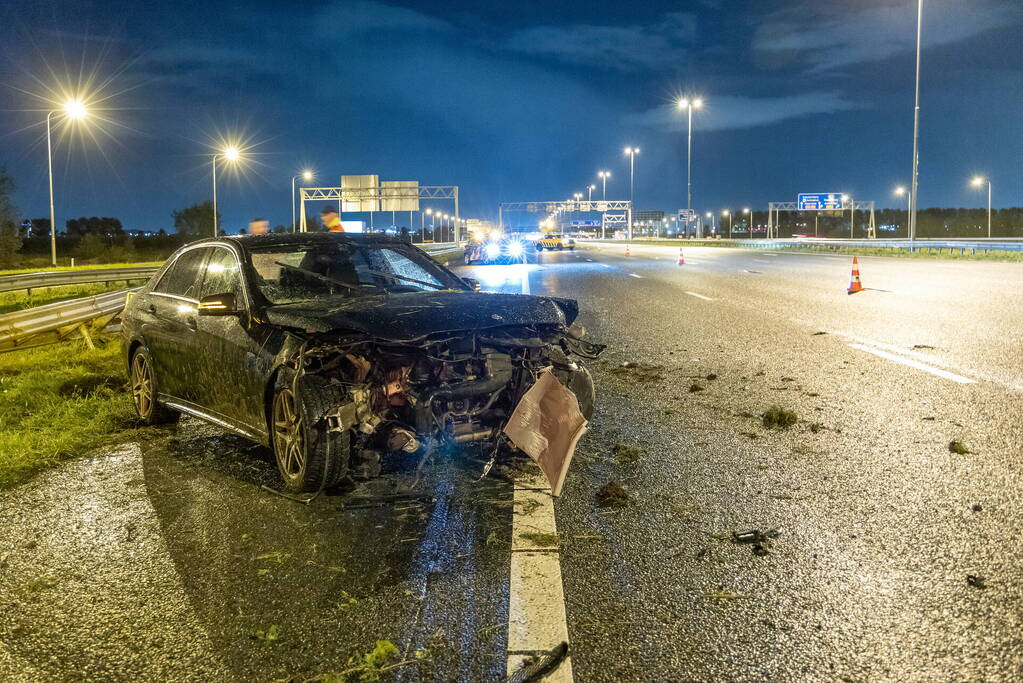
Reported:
(472, 282)
(218, 304)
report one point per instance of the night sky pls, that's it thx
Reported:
(510, 101)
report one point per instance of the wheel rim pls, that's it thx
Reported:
(142, 385)
(289, 442)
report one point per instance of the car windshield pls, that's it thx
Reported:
(292, 273)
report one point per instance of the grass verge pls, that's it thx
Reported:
(17, 301)
(58, 402)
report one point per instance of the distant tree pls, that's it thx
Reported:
(10, 239)
(76, 227)
(280, 229)
(195, 220)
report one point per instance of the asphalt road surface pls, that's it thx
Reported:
(886, 556)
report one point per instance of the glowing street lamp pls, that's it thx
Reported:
(73, 110)
(686, 103)
(422, 223)
(728, 213)
(232, 154)
(979, 182)
(852, 213)
(306, 175)
(589, 197)
(749, 221)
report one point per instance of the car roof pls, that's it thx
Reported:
(292, 238)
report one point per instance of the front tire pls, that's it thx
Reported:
(142, 382)
(308, 456)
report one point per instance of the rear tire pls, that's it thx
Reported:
(308, 456)
(142, 383)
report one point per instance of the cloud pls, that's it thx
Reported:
(622, 48)
(349, 18)
(731, 113)
(829, 37)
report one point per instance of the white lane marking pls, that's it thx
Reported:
(700, 296)
(634, 275)
(605, 265)
(536, 597)
(914, 364)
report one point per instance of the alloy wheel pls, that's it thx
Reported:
(289, 440)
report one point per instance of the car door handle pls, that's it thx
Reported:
(192, 323)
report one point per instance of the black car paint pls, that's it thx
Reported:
(223, 368)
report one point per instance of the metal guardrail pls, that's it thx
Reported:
(60, 278)
(976, 244)
(53, 322)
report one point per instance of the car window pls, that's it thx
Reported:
(302, 272)
(184, 275)
(221, 274)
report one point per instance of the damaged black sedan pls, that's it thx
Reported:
(337, 349)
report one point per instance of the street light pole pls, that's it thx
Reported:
(73, 109)
(727, 212)
(632, 152)
(53, 218)
(913, 197)
(214, 195)
(977, 182)
(306, 175)
(686, 103)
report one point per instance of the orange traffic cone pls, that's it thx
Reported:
(627, 249)
(681, 258)
(855, 285)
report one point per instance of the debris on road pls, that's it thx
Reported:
(976, 581)
(721, 595)
(759, 541)
(694, 387)
(777, 417)
(537, 668)
(818, 334)
(612, 494)
(958, 447)
(543, 539)
(640, 372)
(712, 376)
(270, 635)
(922, 346)
(628, 454)
(976, 507)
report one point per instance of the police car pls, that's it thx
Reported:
(555, 242)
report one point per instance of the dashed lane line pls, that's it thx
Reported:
(914, 364)
(637, 276)
(700, 296)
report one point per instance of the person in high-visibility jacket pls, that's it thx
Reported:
(331, 219)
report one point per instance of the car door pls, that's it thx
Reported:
(236, 355)
(170, 311)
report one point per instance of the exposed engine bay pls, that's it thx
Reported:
(411, 397)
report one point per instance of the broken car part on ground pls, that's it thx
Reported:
(337, 350)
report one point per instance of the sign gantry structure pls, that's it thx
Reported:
(833, 203)
(356, 195)
(614, 214)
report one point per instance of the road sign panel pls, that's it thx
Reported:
(820, 201)
(687, 215)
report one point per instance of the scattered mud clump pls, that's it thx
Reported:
(976, 581)
(777, 417)
(612, 494)
(712, 376)
(958, 447)
(694, 387)
(627, 453)
(640, 372)
(542, 539)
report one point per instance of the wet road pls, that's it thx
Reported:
(165, 560)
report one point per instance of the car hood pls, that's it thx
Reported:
(414, 315)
